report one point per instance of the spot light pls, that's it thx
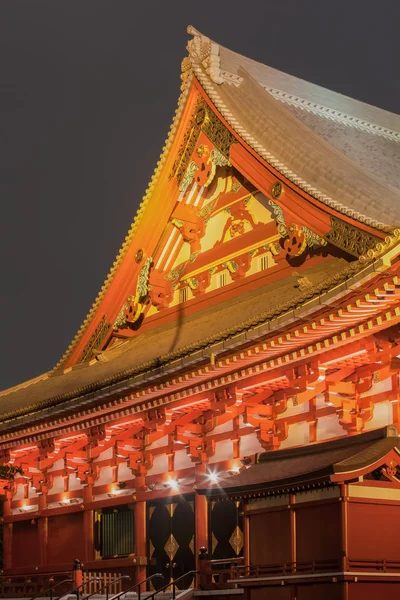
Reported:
(213, 477)
(173, 484)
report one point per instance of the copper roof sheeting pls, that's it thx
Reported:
(300, 466)
(342, 151)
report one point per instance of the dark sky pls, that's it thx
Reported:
(88, 90)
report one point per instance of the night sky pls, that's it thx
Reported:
(88, 91)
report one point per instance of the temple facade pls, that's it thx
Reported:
(235, 385)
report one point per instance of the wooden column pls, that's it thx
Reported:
(201, 513)
(344, 523)
(43, 534)
(246, 533)
(7, 545)
(293, 540)
(88, 526)
(88, 535)
(140, 540)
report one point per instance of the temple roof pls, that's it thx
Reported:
(319, 462)
(157, 346)
(342, 151)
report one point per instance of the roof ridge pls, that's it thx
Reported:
(320, 109)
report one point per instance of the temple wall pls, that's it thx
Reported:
(65, 538)
(270, 537)
(25, 544)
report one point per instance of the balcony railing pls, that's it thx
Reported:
(315, 566)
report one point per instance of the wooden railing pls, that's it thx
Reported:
(314, 566)
(112, 581)
(34, 584)
(384, 565)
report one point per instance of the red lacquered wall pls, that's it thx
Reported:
(270, 537)
(318, 532)
(65, 538)
(25, 544)
(373, 532)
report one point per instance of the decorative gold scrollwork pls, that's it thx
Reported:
(352, 240)
(203, 119)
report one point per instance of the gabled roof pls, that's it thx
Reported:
(322, 145)
(318, 462)
(343, 152)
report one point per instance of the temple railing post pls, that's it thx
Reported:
(205, 575)
(77, 575)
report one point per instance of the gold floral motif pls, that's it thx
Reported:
(171, 547)
(352, 240)
(96, 339)
(236, 540)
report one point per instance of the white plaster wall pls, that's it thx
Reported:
(19, 494)
(58, 485)
(74, 483)
(159, 443)
(124, 472)
(382, 416)
(104, 455)
(105, 476)
(378, 388)
(249, 445)
(182, 460)
(222, 428)
(223, 451)
(57, 466)
(298, 435)
(296, 410)
(329, 427)
(160, 465)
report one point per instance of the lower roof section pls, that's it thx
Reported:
(321, 462)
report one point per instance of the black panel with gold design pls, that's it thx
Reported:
(171, 539)
(225, 529)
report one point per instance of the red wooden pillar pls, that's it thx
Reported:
(201, 519)
(88, 535)
(7, 545)
(88, 525)
(293, 540)
(43, 533)
(246, 533)
(344, 521)
(201, 513)
(140, 540)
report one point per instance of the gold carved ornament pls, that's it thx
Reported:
(351, 239)
(96, 340)
(203, 120)
(134, 305)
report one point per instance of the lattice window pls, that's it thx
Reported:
(117, 532)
